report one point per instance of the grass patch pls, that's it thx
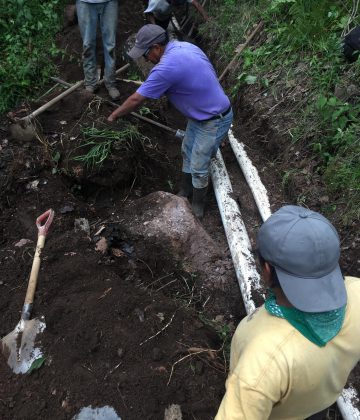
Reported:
(27, 41)
(300, 56)
(100, 142)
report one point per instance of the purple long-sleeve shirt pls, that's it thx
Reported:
(186, 76)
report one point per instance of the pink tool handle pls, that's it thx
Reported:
(49, 216)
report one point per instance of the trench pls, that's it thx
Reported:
(91, 196)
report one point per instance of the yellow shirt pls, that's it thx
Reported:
(276, 373)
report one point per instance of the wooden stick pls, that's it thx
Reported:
(134, 114)
(62, 95)
(240, 49)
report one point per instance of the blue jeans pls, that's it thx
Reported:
(88, 16)
(201, 142)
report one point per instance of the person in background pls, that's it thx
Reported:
(351, 45)
(159, 11)
(292, 356)
(89, 13)
(185, 75)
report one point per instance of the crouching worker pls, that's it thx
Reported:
(159, 11)
(291, 357)
(185, 75)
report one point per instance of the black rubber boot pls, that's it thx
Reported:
(198, 201)
(186, 185)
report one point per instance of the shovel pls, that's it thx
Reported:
(24, 129)
(18, 346)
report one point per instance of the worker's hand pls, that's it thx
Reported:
(111, 118)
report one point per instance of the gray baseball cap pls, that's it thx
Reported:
(304, 248)
(147, 36)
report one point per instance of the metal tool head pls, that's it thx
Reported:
(18, 346)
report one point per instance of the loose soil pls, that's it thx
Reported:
(131, 327)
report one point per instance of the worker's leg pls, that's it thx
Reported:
(87, 18)
(187, 146)
(206, 139)
(186, 150)
(108, 25)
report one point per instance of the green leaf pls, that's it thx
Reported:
(332, 101)
(250, 80)
(321, 102)
(56, 157)
(36, 364)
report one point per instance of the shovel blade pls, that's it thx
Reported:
(18, 347)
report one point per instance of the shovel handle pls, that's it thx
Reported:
(48, 217)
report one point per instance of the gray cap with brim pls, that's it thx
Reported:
(304, 248)
(147, 36)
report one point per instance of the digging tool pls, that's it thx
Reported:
(18, 346)
(25, 129)
(177, 133)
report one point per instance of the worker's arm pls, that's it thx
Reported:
(132, 102)
(242, 402)
(200, 9)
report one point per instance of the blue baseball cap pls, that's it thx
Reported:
(147, 36)
(304, 248)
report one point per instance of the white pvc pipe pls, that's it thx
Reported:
(252, 177)
(345, 404)
(237, 237)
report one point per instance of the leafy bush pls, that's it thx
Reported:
(27, 40)
(301, 43)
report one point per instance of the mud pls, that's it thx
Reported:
(130, 328)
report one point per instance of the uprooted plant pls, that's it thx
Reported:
(100, 143)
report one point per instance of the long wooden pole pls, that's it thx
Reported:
(62, 95)
(134, 114)
(240, 49)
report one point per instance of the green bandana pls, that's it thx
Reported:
(318, 327)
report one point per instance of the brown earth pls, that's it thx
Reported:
(131, 328)
(128, 328)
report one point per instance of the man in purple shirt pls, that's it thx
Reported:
(185, 75)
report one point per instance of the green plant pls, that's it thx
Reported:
(36, 364)
(300, 49)
(224, 331)
(100, 142)
(56, 159)
(27, 29)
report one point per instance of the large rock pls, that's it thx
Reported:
(166, 220)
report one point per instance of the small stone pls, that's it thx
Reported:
(102, 245)
(117, 252)
(82, 225)
(23, 242)
(324, 199)
(120, 352)
(157, 354)
(67, 209)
